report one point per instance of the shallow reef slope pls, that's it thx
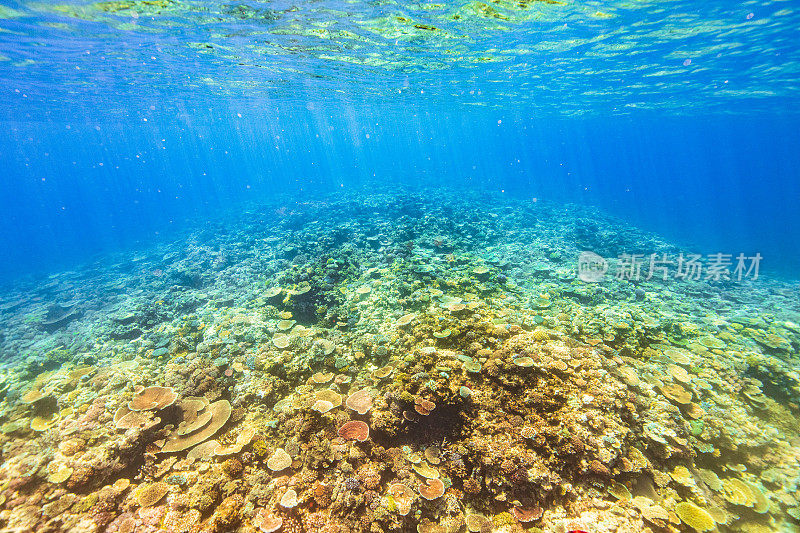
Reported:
(401, 361)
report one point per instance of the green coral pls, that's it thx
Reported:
(407, 397)
(84, 504)
(503, 519)
(389, 506)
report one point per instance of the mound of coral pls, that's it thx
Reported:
(396, 363)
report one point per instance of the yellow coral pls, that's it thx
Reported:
(695, 517)
(736, 492)
(681, 475)
(761, 504)
(540, 335)
(260, 447)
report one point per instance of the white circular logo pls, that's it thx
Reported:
(592, 268)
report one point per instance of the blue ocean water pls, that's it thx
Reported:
(122, 121)
(75, 188)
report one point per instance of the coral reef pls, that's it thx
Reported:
(406, 362)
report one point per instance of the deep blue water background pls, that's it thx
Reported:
(123, 123)
(77, 186)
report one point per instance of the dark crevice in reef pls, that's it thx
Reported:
(443, 424)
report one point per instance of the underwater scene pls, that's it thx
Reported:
(513, 266)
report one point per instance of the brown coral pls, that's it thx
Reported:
(204, 451)
(527, 514)
(220, 412)
(232, 467)
(472, 486)
(289, 499)
(360, 401)
(423, 406)
(431, 489)
(354, 430)
(153, 398)
(322, 493)
(195, 415)
(124, 418)
(598, 468)
(228, 513)
(322, 406)
(677, 393)
(148, 495)
(243, 439)
(328, 395)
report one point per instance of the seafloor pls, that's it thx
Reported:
(417, 361)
